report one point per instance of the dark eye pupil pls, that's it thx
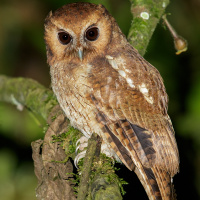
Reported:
(64, 38)
(92, 34)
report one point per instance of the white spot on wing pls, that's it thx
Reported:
(145, 92)
(116, 63)
(149, 99)
(130, 82)
(120, 65)
(127, 70)
(122, 73)
(143, 89)
(113, 64)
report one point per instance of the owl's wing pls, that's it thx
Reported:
(131, 106)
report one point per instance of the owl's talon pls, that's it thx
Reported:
(77, 148)
(82, 139)
(78, 157)
(81, 147)
(81, 144)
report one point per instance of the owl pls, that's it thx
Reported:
(105, 86)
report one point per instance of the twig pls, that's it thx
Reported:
(180, 44)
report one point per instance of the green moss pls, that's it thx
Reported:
(59, 138)
(103, 180)
(68, 141)
(74, 180)
(104, 168)
(53, 118)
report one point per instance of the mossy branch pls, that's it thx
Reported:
(146, 15)
(24, 92)
(87, 164)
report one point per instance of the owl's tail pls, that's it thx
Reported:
(156, 182)
(134, 146)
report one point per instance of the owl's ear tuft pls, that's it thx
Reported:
(50, 14)
(48, 17)
(100, 6)
(104, 11)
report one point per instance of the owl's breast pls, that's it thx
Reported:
(72, 88)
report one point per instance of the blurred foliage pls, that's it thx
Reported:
(22, 53)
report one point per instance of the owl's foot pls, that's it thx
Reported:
(82, 144)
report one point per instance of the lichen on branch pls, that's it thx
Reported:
(146, 15)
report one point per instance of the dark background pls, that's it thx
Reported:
(22, 53)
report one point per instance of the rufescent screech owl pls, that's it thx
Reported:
(105, 86)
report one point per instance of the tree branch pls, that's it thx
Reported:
(146, 15)
(87, 164)
(24, 92)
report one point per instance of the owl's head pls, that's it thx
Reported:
(77, 30)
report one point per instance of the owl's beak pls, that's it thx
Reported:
(80, 53)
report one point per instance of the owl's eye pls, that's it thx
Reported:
(92, 34)
(64, 38)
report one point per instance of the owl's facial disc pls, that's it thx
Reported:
(79, 32)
